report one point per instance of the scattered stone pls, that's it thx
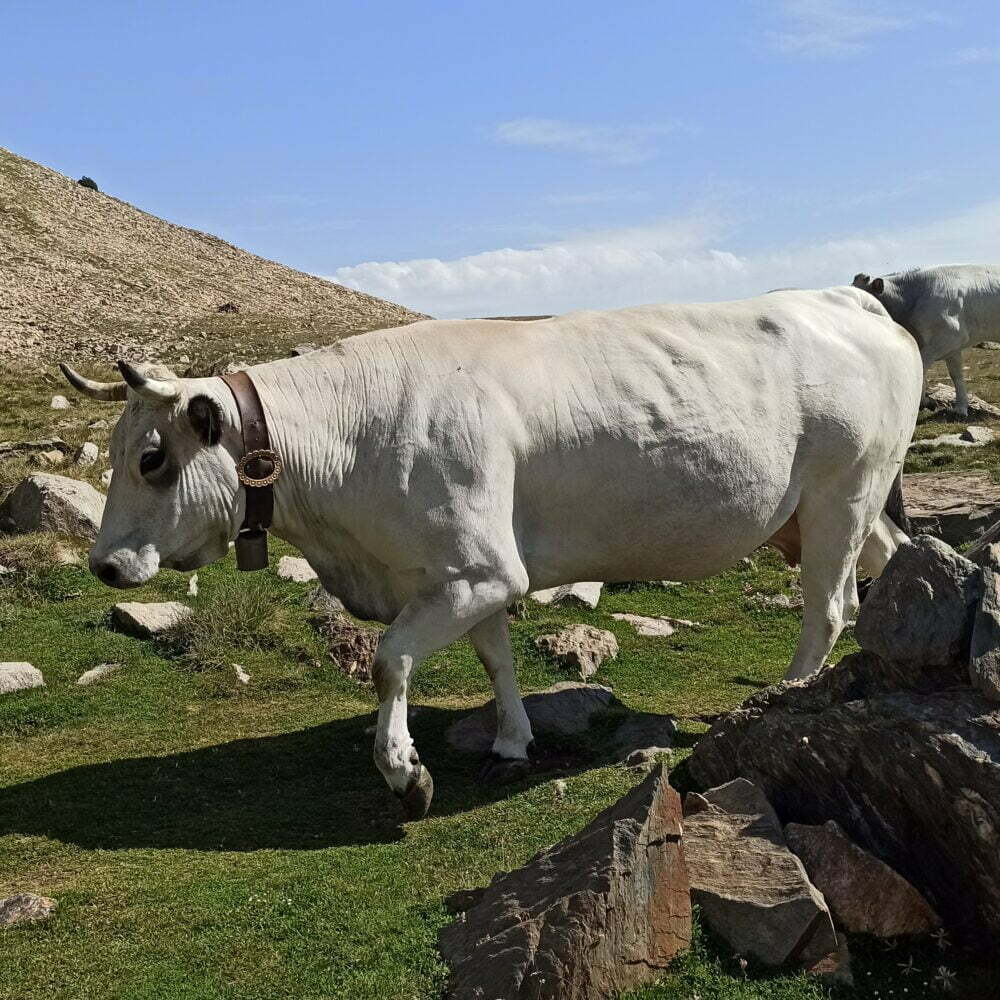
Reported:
(580, 647)
(833, 969)
(989, 345)
(601, 912)
(44, 502)
(59, 403)
(50, 458)
(97, 425)
(148, 620)
(8, 448)
(905, 758)
(228, 307)
(971, 437)
(299, 349)
(193, 585)
(565, 709)
(751, 889)
(984, 653)
(784, 602)
(657, 627)
(323, 601)
(920, 610)
(864, 894)
(19, 677)
(351, 646)
(940, 397)
(98, 673)
(106, 477)
(559, 788)
(242, 676)
(587, 594)
(643, 736)
(296, 569)
(87, 454)
(25, 907)
(955, 508)
(977, 435)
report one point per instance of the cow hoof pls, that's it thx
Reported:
(499, 770)
(416, 800)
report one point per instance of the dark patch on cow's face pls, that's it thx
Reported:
(205, 415)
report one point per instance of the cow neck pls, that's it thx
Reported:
(257, 469)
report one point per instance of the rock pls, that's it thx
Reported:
(97, 425)
(955, 508)
(989, 345)
(351, 646)
(98, 673)
(977, 435)
(920, 610)
(647, 626)
(106, 476)
(833, 969)
(984, 652)
(783, 601)
(942, 397)
(565, 709)
(228, 307)
(19, 677)
(44, 502)
(601, 912)
(59, 403)
(864, 895)
(296, 569)
(580, 647)
(25, 907)
(751, 889)
(87, 454)
(643, 735)
(147, 620)
(8, 448)
(242, 677)
(323, 601)
(906, 759)
(53, 457)
(299, 349)
(193, 585)
(587, 594)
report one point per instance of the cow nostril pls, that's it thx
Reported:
(107, 573)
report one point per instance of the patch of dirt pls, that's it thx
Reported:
(351, 646)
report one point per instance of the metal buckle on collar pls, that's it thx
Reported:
(263, 454)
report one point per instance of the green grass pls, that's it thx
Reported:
(211, 841)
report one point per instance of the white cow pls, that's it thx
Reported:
(946, 309)
(439, 471)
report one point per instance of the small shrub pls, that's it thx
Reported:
(88, 182)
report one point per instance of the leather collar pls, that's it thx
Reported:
(258, 469)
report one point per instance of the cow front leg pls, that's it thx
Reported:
(954, 363)
(426, 624)
(509, 759)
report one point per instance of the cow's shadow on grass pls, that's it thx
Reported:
(309, 789)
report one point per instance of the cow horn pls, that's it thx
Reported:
(108, 391)
(158, 390)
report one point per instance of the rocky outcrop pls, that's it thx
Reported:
(601, 912)
(956, 508)
(864, 895)
(46, 502)
(751, 889)
(906, 758)
(148, 620)
(581, 648)
(984, 652)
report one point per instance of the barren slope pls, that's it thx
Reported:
(85, 275)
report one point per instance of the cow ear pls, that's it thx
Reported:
(877, 287)
(205, 415)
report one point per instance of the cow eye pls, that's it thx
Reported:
(151, 460)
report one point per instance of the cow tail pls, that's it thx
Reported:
(895, 506)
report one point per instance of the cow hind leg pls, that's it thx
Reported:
(954, 363)
(509, 759)
(426, 624)
(880, 545)
(833, 532)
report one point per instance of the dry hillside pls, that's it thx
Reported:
(86, 276)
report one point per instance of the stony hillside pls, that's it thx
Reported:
(85, 275)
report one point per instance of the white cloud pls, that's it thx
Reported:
(685, 260)
(620, 144)
(837, 27)
(974, 56)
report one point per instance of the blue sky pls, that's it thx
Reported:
(480, 159)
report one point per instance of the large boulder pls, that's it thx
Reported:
(984, 653)
(19, 677)
(864, 894)
(920, 610)
(905, 758)
(582, 648)
(601, 912)
(751, 889)
(565, 709)
(46, 502)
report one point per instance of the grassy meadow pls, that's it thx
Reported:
(207, 840)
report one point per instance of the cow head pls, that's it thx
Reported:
(876, 286)
(174, 495)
